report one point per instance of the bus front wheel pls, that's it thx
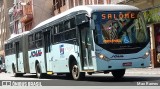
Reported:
(76, 74)
(118, 73)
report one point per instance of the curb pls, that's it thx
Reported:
(143, 73)
(149, 71)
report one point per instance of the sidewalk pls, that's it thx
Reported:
(149, 71)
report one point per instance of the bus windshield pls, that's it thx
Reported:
(120, 28)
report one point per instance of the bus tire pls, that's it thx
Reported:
(89, 73)
(118, 73)
(15, 74)
(76, 74)
(38, 71)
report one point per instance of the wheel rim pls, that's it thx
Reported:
(75, 71)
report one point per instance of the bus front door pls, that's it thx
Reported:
(86, 47)
(47, 45)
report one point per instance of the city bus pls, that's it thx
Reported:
(82, 40)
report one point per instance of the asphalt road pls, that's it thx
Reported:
(90, 80)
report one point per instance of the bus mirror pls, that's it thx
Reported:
(81, 18)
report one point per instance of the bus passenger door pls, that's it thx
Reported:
(86, 46)
(19, 59)
(47, 45)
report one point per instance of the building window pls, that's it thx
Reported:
(86, 2)
(16, 26)
(64, 2)
(28, 26)
(100, 1)
(54, 4)
(95, 1)
(71, 3)
(75, 2)
(58, 3)
(108, 2)
(80, 2)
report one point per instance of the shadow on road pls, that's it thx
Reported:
(95, 78)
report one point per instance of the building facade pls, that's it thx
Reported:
(60, 6)
(5, 5)
(26, 14)
(34, 12)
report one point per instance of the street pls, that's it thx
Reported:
(130, 79)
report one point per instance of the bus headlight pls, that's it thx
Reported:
(102, 56)
(145, 55)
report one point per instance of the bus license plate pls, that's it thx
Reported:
(127, 64)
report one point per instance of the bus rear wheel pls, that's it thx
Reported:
(76, 74)
(38, 71)
(118, 73)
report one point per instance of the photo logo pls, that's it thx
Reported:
(61, 49)
(6, 83)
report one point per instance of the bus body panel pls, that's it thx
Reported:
(118, 64)
(36, 55)
(10, 59)
(135, 58)
(60, 61)
(50, 62)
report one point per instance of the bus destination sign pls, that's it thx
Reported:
(121, 15)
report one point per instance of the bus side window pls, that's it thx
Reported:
(38, 39)
(17, 49)
(31, 42)
(7, 52)
(70, 31)
(52, 34)
(61, 27)
(5, 46)
(73, 23)
(10, 48)
(55, 31)
(66, 27)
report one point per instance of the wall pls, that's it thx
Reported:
(4, 22)
(42, 10)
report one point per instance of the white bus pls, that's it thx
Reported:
(84, 39)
